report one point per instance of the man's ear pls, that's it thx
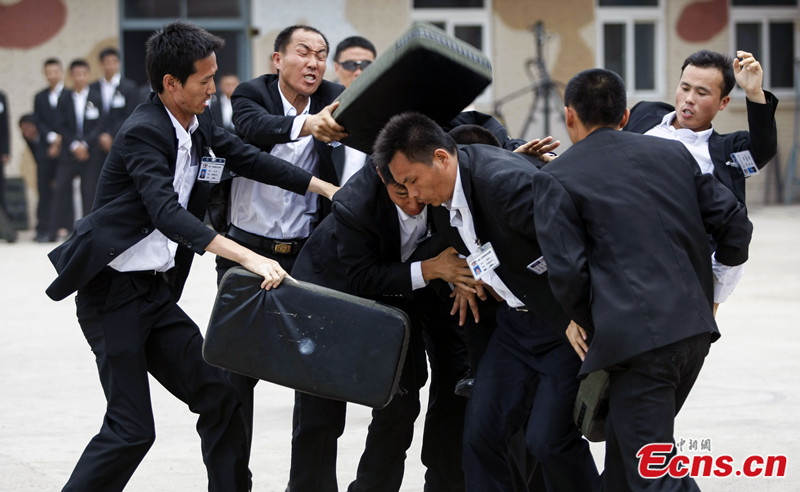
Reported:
(169, 82)
(624, 120)
(276, 59)
(380, 175)
(569, 117)
(442, 156)
(723, 103)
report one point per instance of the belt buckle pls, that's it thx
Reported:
(282, 248)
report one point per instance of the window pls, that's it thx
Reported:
(767, 29)
(630, 42)
(228, 19)
(467, 20)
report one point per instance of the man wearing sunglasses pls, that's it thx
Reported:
(353, 55)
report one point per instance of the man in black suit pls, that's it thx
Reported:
(707, 79)
(379, 243)
(289, 116)
(623, 222)
(81, 122)
(528, 371)
(120, 97)
(130, 257)
(220, 106)
(47, 123)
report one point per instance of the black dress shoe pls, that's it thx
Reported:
(44, 238)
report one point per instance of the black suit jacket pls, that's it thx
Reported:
(356, 249)
(93, 122)
(135, 195)
(498, 185)
(122, 104)
(46, 116)
(623, 220)
(258, 117)
(5, 136)
(761, 140)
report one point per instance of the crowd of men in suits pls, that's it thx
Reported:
(557, 265)
(70, 132)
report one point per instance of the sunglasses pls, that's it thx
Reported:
(353, 65)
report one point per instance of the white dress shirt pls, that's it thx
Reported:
(270, 211)
(354, 160)
(461, 219)
(52, 98)
(156, 252)
(725, 277)
(107, 89)
(79, 100)
(695, 142)
(412, 229)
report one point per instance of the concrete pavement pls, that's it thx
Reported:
(746, 402)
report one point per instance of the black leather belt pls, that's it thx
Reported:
(287, 247)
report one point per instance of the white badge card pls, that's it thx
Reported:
(746, 163)
(118, 101)
(211, 169)
(538, 266)
(91, 113)
(482, 261)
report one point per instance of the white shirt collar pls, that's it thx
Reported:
(114, 80)
(684, 134)
(184, 137)
(84, 93)
(288, 109)
(59, 87)
(459, 198)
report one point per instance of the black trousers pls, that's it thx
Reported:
(134, 328)
(645, 394)
(45, 184)
(62, 213)
(319, 422)
(245, 385)
(442, 440)
(527, 374)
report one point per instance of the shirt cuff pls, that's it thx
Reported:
(297, 125)
(51, 137)
(417, 282)
(725, 279)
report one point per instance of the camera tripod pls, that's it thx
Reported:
(545, 90)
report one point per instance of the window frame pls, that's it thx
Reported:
(764, 16)
(629, 17)
(240, 24)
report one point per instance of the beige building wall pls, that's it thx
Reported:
(83, 27)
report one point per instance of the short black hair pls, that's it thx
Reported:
(78, 62)
(110, 51)
(473, 134)
(712, 59)
(283, 37)
(174, 49)
(354, 42)
(26, 118)
(598, 97)
(52, 61)
(414, 135)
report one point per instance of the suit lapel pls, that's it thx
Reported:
(716, 150)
